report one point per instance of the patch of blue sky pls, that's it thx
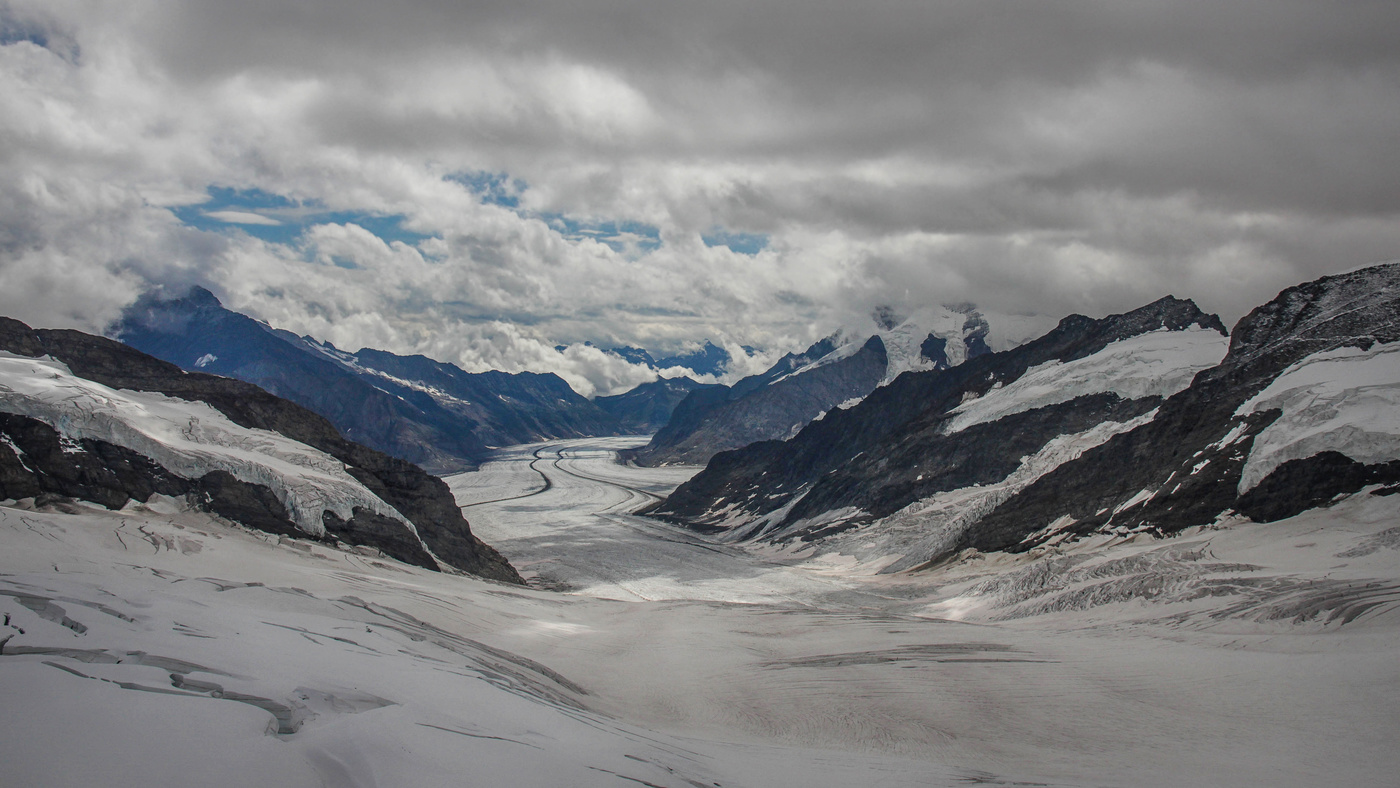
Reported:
(494, 188)
(15, 31)
(623, 236)
(277, 219)
(743, 243)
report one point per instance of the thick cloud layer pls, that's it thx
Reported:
(482, 181)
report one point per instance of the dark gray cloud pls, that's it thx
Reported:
(1027, 156)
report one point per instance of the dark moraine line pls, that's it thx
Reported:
(609, 482)
(548, 485)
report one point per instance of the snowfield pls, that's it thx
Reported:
(158, 646)
(1155, 364)
(189, 439)
(1345, 400)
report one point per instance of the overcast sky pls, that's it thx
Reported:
(480, 181)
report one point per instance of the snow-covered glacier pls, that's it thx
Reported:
(189, 439)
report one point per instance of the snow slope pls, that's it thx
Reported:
(1345, 400)
(189, 439)
(1155, 364)
(161, 648)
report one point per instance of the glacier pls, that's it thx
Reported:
(189, 439)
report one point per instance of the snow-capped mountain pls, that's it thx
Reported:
(1148, 421)
(427, 412)
(89, 418)
(836, 372)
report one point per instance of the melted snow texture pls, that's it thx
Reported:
(1156, 364)
(1345, 400)
(189, 439)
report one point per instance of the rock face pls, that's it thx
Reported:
(1136, 422)
(773, 405)
(36, 458)
(934, 432)
(424, 411)
(648, 407)
(1185, 468)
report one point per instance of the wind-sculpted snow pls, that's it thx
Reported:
(189, 439)
(1156, 364)
(1345, 400)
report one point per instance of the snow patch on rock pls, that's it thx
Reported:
(189, 439)
(932, 526)
(1159, 363)
(1345, 400)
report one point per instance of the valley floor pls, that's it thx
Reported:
(157, 646)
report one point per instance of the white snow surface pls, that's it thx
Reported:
(1158, 363)
(188, 439)
(162, 648)
(904, 342)
(1345, 400)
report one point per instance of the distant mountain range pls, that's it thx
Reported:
(835, 372)
(1150, 421)
(428, 412)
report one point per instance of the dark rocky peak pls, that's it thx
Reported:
(935, 348)
(157, 311)
(1355, 309)
(1200, 445)
(786, 365)
(975, 330)
(20, 339)
(774, 405)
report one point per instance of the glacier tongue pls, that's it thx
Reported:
(189, 439)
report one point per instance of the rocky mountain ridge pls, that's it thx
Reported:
(103, 452)
(1060, 438)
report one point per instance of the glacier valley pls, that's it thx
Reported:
(144, 646)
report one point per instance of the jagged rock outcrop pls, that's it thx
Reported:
(1185, 468)
(1061, 438)
(105, 473)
